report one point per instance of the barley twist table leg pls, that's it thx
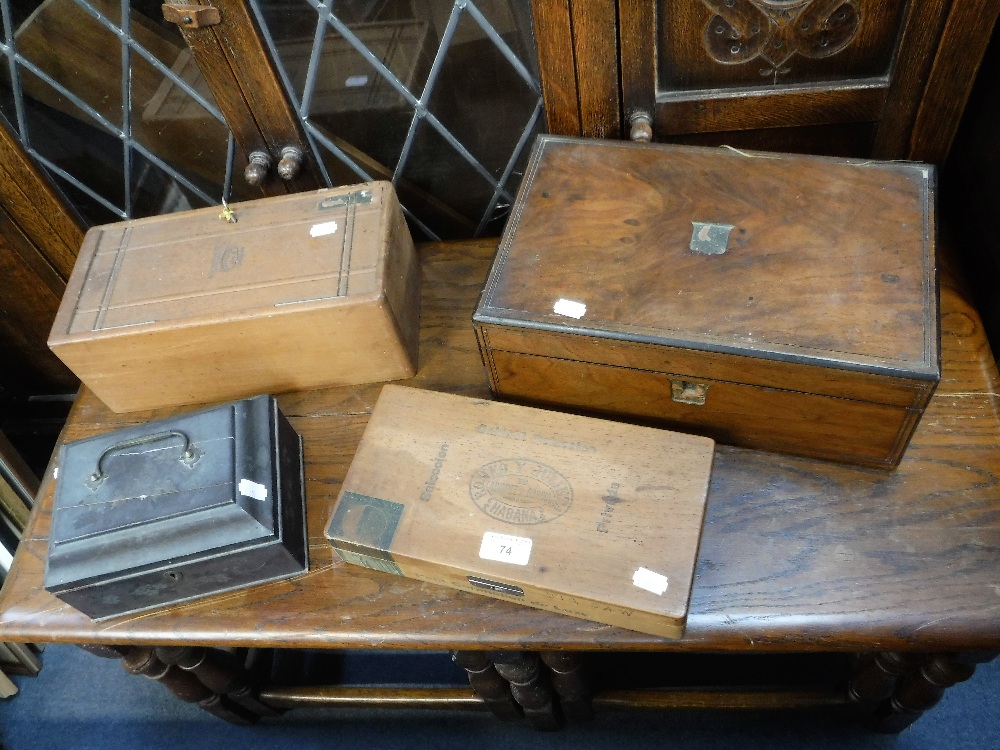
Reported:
(529, 684)
(570, 677)
(220, 672)
(187, 687)
(487, 683)
(874, 677)
(907, 685)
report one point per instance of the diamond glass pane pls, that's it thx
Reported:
(74, 49)
(156, 192)
(360, 103)
(149, 30)
(441, 187)
(91, 210)
(288, 20)
(340, 173)
(347, 98)
(476, 83)
(512, 21)
(173, 125)
(398, 39)
(495, 220)
(172, 144)
(72, 140)
(21, 10)
(521, 158)
(7, 107)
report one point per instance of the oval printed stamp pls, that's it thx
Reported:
(520, 491)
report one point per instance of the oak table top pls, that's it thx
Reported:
(797, 554)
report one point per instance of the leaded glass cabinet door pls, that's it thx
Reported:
(134, 109)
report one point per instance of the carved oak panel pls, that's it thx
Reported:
(706, 44)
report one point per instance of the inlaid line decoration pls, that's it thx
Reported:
(775, 31)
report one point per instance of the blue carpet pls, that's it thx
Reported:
(83, 702)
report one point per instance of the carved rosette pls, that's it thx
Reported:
(774, 31)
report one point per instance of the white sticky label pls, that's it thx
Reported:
(645, 578)
(320, 230)
(569, 308)
(505, 548)
(55, 473)
(252, 489)
(355, 81)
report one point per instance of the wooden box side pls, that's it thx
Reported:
(293, 349)
(593, 508)
(805, 424)
(401, 277)
(694, 364)
(516, 591)
(824, 261)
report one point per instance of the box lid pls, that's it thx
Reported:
(164, 491)
(797, 258)
(280, 254)
(582, 516)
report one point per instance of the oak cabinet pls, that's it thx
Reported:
(880, 78)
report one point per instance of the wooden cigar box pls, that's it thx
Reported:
(581, 516)
(295, 292)
(773, 301)
(178, 509)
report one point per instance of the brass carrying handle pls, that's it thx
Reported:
(189, 455)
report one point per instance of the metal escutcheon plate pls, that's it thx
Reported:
(688, 392)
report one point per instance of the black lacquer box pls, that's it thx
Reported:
(174, 510)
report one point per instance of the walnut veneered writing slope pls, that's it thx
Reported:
(771, 301)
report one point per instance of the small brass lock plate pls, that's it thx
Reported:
(688, 392)
(339, 201)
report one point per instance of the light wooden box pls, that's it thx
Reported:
(575, 515)
(302, 291)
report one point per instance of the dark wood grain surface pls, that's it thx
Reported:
(554, 39)
(255, 72)
(595, 50)
(722, 72)
(797, 554)
(28, 196)
(31, 289)
(951, 79)
(683, 113)
(826, 260)
(637, 59)
(718, 44)
(918, 41)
